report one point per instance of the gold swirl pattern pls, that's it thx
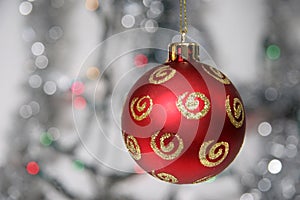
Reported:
(238, 112)
(141, 107)
(133, 147)
(216, 74)
(206, 178)
(165, 177)
(164, 149)
(162, 75)
(220, 155)
(191, 104)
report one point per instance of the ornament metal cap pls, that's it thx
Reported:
(184, 50)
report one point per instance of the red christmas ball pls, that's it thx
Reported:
(183, 121)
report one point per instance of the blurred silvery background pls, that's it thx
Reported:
(55, 80)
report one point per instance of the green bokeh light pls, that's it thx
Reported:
(46, 139)
(273, 52)
(212, 179)
(78, 164)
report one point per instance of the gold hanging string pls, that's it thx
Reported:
(182, 19)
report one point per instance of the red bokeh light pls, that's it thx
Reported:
(140, 60)
(32, 168)
(79, 103)
(77, 88)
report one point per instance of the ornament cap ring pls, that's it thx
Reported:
(184, 50)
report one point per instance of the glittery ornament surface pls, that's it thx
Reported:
(183, 122)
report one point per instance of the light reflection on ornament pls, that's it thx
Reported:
(128, 21)
(140, 60)
(37, 48)
(25, 8)
(79, 103)
(92, 73)
(32, 168)
(41, 62)
(49, 88)
(274, 166)
(92, 5)
(77, 88)
(264, 129)
(35, 81)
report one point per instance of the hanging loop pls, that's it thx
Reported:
(182, 19)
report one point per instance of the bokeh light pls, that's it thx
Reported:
(35, 107)
(140, 60)
(79, 103)
(41, 62)
(247, 196)
(264, 185)
(46, 139)
(264, 129)
(78, 164)
(151, 26)
(273, 52)
(25, 111)
(25, 8)
(50, 87)
(37, 48)
(32, 168)
(77, 88)
(92, 5)
(271, 94)
(55, 32)
(35, 81)
(128, 21)
(54, 133)
(274, 166)
(92, 73)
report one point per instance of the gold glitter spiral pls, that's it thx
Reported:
(238, 112)
(215, 157)
(133, 146)
(165, 177)
(165, 150)
(141, 107)
(192, 104)
(216, 74)
(162, 75)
